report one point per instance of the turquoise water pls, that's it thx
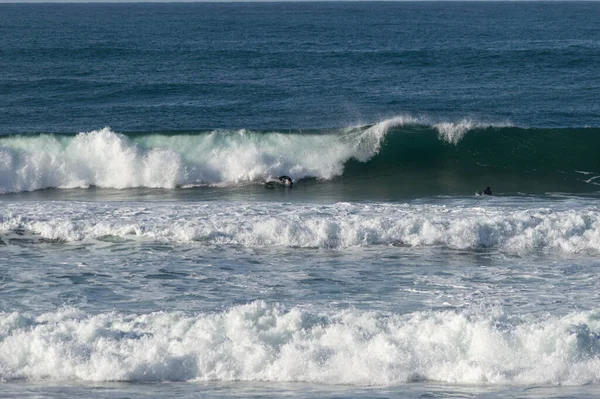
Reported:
(143, 255)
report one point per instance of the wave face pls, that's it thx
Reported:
(412, 154)
(337, 227)
(262, 342)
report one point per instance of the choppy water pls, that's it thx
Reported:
(149, 258)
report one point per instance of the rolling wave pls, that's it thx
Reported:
(267, 342)
(574, 228)
(413, 153)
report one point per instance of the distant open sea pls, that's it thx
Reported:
(147, 249)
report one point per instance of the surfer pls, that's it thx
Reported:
(487, 191)
(286, 180)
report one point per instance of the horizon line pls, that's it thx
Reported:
(281, 1)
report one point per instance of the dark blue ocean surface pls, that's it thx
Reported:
(148, 67)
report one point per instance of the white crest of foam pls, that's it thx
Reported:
(99, 158)
(267, 342)
(335, 226)
(107, 159)
(368, 141)
(454, 131)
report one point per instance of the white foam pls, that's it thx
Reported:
(266, 342)
(100, 158)
(107, 159)
(307, 226)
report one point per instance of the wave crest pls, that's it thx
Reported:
(104, 158)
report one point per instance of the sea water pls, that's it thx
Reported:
(143, 255)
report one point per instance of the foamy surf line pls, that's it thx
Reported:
(336, 227)
(267, 342)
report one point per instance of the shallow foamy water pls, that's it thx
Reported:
(483, 292)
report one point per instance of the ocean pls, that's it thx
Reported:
(147, 248)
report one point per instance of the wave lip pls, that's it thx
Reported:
(267, 342)
(450, 131)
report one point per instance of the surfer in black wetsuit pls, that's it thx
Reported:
(286, 180)
(487, 191)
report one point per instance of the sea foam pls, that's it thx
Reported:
(104, 158)
(337, 226)
(267, 342)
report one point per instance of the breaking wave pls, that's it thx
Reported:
(267, 342)
(335, 227)
(409, 150)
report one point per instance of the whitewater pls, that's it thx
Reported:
(260, 342)
(513, 225)
(471, 291)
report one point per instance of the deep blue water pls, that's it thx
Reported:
(148, 67)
